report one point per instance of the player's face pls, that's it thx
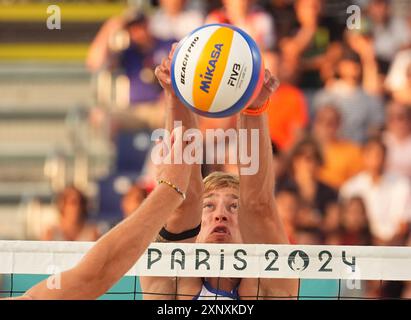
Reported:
(220, 217)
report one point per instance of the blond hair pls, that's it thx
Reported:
(219, 180)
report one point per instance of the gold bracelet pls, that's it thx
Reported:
(177, 189)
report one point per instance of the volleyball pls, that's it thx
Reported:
(217, 70)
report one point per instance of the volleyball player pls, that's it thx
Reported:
(225, 208)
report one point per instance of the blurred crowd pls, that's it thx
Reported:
(340, 122)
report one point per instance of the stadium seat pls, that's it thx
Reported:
(132, 148)
(110, 191)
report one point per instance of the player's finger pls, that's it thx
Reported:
(167, 64)
(273, 83)
(177, 145)
(173, 48)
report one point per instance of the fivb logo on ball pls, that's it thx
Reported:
(217, 70)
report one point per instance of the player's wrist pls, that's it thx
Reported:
(257, 110)
(169, 94)
(172, 197)
(172, 186)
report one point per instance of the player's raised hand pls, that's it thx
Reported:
(163, 71)
(270, 84)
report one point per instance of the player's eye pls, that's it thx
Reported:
(233, 206)
(208, 206)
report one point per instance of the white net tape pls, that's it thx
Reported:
(222, 260)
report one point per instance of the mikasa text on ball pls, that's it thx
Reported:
(217, 70)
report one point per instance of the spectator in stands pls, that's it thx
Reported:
(247, 16)
(331, 225)
(390, 33)
(355, 231)
(398, 81)
(288, 205)
(102, 51)
(309, 236)
(387, 196)
(362, 43)
(305, 159)
(397, 138)
(137, 60)
(354, 223)
(279, 163)
(283, 15)
(132, 199)
(312, 45)
(73, 225)
(173, 21)
(342, 158)
(288, 110)
(361, 112)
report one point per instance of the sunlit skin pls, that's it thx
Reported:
(219, 222)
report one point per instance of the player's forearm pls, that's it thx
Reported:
(188, 215)
(259, 220)
(115, 253)
(262, 182)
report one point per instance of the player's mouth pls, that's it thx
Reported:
(221, 230)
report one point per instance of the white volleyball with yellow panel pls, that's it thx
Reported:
(217, 70)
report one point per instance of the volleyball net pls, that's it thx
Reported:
(324, 272)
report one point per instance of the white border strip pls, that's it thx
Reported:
(222, 260)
